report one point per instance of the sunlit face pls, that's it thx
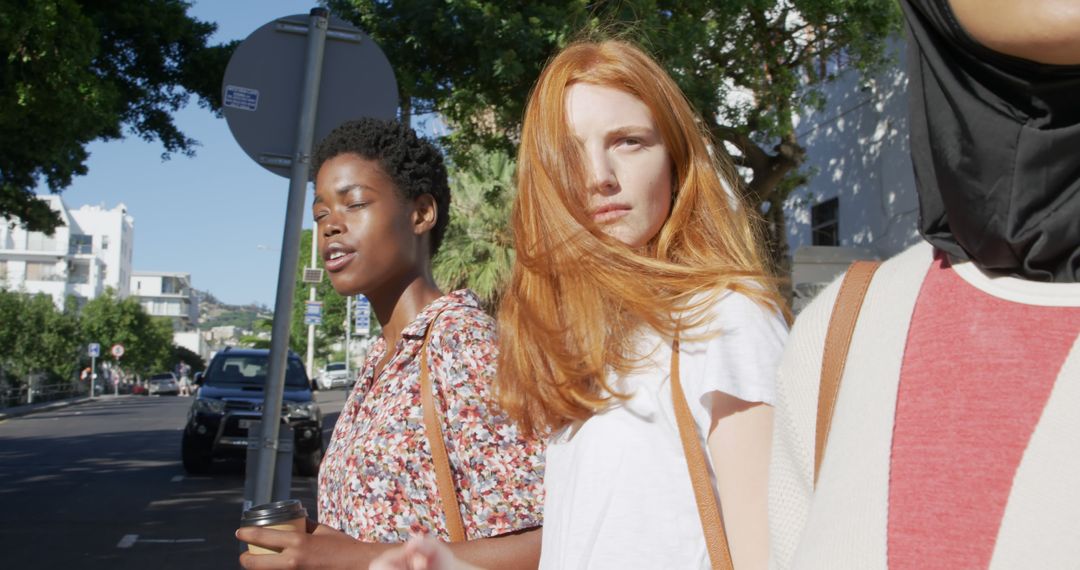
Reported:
(629, 167)
(366, 237)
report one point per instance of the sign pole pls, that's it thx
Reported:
(93, 374)
(348, 336)
(290, 256)
(311, 297)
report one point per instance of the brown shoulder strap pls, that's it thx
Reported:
(444, 477)
(712, 523)
(837, 342)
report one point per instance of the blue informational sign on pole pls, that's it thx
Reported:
(313, 313)
(362, 317)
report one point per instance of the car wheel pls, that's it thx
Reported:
(196, 461)
(308, 464)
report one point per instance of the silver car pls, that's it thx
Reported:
(162, 384)
(334, 375)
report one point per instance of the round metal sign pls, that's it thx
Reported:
(117, 350)
(261, 91)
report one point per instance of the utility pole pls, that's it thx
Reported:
(311, 297)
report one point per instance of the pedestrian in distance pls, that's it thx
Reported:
(953, 436)
(421, 445)
(641, 328)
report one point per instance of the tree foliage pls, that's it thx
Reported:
(189, 357)
(36, 337)
(147, 340)
(749, 66)
(76, 71)
(477, 251)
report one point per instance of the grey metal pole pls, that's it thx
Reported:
(348, 336)
(290, 254)
(311, 297)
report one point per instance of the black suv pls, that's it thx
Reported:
(231, 398)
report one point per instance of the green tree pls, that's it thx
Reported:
(750, 66)
(147, 341)
(76, 71)
(36, 336)
(331, 330)
(188, 356)
(477, 251)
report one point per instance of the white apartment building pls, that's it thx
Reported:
(860, 202)
(167, 294)
(90, 252)
(195, 341)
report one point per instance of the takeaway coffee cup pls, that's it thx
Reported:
(279, 515)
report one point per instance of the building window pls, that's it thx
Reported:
(104, 242)
(79, 272)
(824, 222)
(80, 244)
(39, 271)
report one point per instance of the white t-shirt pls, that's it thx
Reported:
(618, 492)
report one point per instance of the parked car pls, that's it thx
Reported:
(163, 384)
(230, 399)
(334, 375)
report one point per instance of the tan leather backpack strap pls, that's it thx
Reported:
(712, 523)
(444, 476)
(837, 342)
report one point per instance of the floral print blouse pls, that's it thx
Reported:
(377, 482)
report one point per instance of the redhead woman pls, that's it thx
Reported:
(639, 287)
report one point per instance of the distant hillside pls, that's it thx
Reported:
(214, 313)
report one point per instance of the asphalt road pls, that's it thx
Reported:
(100, 486)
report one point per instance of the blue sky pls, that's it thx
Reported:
(217, 215)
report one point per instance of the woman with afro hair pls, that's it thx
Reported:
(382, 203)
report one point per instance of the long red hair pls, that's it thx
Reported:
(576, 295)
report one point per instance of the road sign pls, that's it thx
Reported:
(94, 350)
(262, 87)
(312, 275)
(313, 312)
(117, 350)
(363, 315)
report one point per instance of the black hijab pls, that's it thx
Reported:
(995, 141)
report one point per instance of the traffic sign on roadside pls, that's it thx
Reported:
(363, 315)
(261, 88)
(117, 350)
(313, 313)
(94, 350)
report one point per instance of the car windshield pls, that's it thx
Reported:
(335, 366)
(161, 377)
(252, 369)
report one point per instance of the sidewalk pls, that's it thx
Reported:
(16, 411)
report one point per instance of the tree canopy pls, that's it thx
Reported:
(749, 66)
(147, 340)
(76, 71)
(477, 251)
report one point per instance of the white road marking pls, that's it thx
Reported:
(177, 479)
(129, 540)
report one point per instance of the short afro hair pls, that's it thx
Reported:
(412, 162)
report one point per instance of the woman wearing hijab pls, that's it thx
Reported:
(954, 433)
